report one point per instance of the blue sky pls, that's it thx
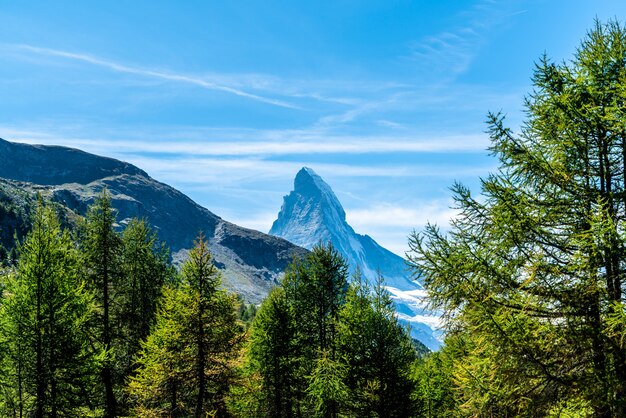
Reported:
(386, 100)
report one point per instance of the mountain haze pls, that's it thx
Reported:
(312, 214)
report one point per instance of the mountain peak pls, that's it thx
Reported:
(311, 214)
(308, 182)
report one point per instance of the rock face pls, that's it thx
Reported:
(311, 214)
(251, 261)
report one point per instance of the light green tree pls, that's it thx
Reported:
(44, 316)
(186, 363)
(531, 275)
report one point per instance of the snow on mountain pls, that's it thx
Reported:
(311, 214)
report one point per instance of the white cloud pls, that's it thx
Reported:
(390, 225)
(261, 222)
(269, 143)
(387, 215)
(451, 52)
(162, 75)
(235, 170)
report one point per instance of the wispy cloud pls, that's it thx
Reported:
(269, 142)
(162, 75)
(391, 224)
(389, 215)
(451, 52)
(236, 170)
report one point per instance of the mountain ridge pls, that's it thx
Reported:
(311, 213)
(252, 262)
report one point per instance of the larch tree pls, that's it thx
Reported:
(44, 320)
(186, 363)
(377, 352)
(101, 249)
(145, 270)
(274, 354)
(531, 274)
(316, 287)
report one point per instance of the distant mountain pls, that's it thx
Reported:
(251, 261)
(311, 214)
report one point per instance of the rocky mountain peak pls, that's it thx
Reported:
(312, 187)
(312, 214)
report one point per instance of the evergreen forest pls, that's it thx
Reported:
(95, 321)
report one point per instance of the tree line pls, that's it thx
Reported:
(96, 322)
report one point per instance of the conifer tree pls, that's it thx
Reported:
(327, 388)
(144, 271)
(531, 276)
(275, 355)
(185, 366)
(315, 288)
(101, 246)
(377, 351)
(44, 317)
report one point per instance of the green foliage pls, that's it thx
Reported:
(186, 364)
(247, 312)
(101, 249)
(327, 388)
(434, 385)
(145, 270)
(378, 353)
(275, 355)
(48, 365)
(323, 348)
(530, 276)
(316, 287)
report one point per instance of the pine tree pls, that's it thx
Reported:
(101, 246)
(144, 271)
(531, 275)
(185, 366)
(275, 355)
(377, 351)
(44, 326)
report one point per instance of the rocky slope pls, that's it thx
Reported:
(251, 261)
(311, 214)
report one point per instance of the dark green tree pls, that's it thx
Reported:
(144, 271)
(378, 353)
(275, 356)
(531, 275)
(44, 318)
(101, 248)
(316, 288)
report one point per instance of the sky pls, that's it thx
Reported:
(226, 101)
